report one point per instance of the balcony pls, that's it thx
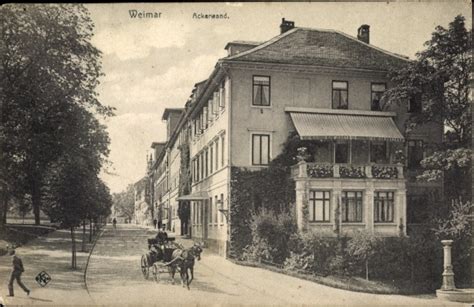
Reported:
(343, 170)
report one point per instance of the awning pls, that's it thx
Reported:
(194, 196)
(311, 126)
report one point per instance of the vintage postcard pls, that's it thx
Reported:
(264, 153)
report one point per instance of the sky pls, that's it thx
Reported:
(153, 63)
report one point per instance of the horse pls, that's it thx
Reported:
(187, 264)
(182, 260)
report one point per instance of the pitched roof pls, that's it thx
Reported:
(243, 43)
(303, 46)
(167, 112)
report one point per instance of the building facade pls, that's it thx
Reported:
(323, 85)
(142, 213)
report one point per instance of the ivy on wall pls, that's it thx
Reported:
(270, 189)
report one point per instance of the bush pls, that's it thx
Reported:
(318, 253)
(271, 237)
(362, 246)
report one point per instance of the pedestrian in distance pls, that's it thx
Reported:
(114, 222)
(155, 223)
(16, 274)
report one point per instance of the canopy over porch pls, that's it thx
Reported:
(194, 196)
(317, 124)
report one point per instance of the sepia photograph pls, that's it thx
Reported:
(236, 154)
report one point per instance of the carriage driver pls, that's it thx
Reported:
(162, 237)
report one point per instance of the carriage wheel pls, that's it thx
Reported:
(144, 266)
(155, 272)
(158, 269)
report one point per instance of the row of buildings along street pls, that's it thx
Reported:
(262, 92)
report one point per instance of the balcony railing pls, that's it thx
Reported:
(339, 170)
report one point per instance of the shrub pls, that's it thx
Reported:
(362, 246)
(271, 237)
(318, 253)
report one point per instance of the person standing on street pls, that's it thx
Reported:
(16, 274)
(114, 223)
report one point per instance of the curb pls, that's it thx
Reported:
(88, 259)
(314, 279)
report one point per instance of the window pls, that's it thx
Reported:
(260, 149)
(323, 152)
(377, 90)
(217, 154)
(206, 162)
(205, 118)
(415, 153)
(352, 206)
(261, 91)
(359, 152)
(222, 150)
(414, 103)
(211, 158)
(319, 208)
(222, 205)
(378, 152)
(339, 95)
(210, 211)
(222, 96)
(383, 207)
(198, 169)
(342, 152)
(215, 103)
(210, 107)
(201, 156)
(216, 211)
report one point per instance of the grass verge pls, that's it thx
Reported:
(351, 283)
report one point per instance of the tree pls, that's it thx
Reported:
(48, 68)
(440, 78)
(362, 245)
(124, 202)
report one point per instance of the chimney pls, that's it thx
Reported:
(363, 33)
(286, 25)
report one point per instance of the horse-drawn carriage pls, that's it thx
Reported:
(159, 257)
(169, 257)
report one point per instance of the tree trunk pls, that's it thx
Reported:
(367, 269)
(90, 230)
(36, 201)
(73, 250)
(83, 249)
(4, 207)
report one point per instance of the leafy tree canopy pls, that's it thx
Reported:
(440, 78)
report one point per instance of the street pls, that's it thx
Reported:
(114, 277)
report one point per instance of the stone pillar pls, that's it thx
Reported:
(368, 207)
(448, 274)
(300, 196)
(303, 169)
(401, 207)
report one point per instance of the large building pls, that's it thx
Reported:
(142, 212)
(323, 85)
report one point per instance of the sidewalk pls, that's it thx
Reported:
(50, 253)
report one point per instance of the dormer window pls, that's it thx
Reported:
(340, 95)
(377, 90)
